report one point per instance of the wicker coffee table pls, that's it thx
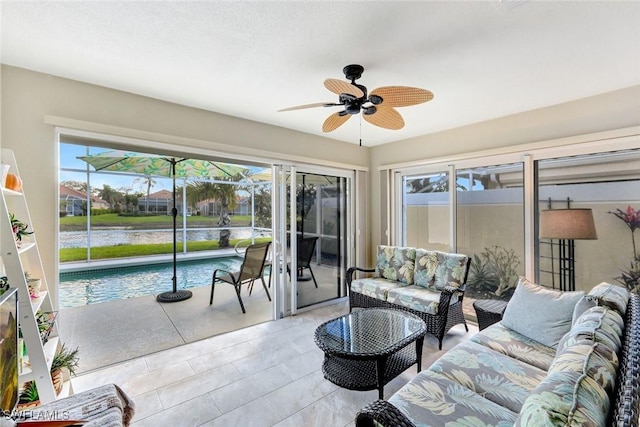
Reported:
(367, 348)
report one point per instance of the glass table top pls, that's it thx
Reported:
(370, 331)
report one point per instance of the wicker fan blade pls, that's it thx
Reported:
(385, 117)
(316, 104)
(334, 121)
(402, 96)
(340, 86)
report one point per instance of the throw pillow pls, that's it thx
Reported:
(396, 263)
(540, 313)
(426, 263)
(451, 270)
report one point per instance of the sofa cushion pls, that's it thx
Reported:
(584, 304)
(604, 315)
(496, 376)
(506, 341)
(426, 263)
(451, 270)
(430, 399)
(598, 324)
(396, 263)
(374, 287)
(612, 296)
(593, 359)
(565, 398)
(540, 313)
(417, 298)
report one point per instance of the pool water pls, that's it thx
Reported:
(96, 286)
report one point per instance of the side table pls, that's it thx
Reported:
(489, 311)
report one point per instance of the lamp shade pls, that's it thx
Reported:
(570, 224)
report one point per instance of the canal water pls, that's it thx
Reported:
(119, 236)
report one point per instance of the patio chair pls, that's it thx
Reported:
(306, 248)
(252, 268)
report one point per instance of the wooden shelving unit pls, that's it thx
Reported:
(19, 258)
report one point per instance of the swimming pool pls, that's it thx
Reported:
(95, 286)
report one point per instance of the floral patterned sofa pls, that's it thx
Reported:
(585, 373)
(427, 283)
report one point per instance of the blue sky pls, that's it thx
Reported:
(69, 160)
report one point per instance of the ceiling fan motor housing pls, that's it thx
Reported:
(353, 105)
(353, 72)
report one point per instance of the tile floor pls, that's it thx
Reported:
(263, 375)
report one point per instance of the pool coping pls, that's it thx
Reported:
(69, 267)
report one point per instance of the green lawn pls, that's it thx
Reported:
(123, 251)
(79, 223)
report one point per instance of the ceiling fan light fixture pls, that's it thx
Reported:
(369, 110)
(375, 99)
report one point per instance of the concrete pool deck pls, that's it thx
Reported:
(112, 332)
(116, 331)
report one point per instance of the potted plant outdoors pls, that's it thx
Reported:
(19, 229)
(33, 284)
(63, 359)
(630, 278)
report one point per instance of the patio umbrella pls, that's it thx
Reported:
(172, 167)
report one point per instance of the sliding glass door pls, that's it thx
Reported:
(313, 245)
(321, 237)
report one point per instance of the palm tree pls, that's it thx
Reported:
(111, 196)
(199, 191)
(149, 182)
(223, 194)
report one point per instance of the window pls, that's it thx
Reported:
(115, 214)
(490, 228)
(425, 211)
(605, 183)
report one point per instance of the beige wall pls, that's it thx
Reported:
(29, 97)
(609, 111)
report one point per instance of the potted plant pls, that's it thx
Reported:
(63, 359)
(45, 321)
(28, 397)
(33, 284)
(19, 228)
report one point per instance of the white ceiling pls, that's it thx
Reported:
(481, 59)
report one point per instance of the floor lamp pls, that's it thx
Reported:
(567, 225)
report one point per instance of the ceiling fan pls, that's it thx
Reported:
(377, 107)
